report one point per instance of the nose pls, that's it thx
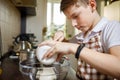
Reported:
(74, 22)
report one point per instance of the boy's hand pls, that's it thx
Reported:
(59, 36)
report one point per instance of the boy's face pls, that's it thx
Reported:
(81, 17)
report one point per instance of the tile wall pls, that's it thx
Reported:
(9, 23)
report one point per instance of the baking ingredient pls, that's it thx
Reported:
(46, 73)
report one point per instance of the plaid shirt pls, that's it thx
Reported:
(84, 70)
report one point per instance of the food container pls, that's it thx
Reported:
(41, 51)
(37, 71)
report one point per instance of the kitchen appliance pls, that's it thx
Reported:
(21, 45)
(37, 71)
(21, 42)
(24, 41)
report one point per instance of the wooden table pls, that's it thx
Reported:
(10, 70)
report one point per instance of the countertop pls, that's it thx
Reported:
(10, 71)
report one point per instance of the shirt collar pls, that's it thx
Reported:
(96, 29)
(100, 25)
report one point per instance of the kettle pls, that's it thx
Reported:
(22, 37)
(23, 42)
(24, 45)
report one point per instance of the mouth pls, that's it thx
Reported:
(81, 27)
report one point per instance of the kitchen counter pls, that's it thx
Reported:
(10, 71)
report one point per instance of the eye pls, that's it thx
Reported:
(74, 17)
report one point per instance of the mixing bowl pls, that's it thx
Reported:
(38, 71)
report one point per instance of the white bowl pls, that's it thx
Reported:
(40, 52)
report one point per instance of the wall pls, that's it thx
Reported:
(100, 7)
(112, 11)
(35, 24)
(9, 23)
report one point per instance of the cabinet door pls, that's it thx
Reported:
(112, 11)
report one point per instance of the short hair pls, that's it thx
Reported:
(67, 3)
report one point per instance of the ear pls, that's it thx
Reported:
(93, 4)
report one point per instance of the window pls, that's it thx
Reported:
(55, 19)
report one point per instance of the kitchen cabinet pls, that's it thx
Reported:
(26, 7)
(112, 11)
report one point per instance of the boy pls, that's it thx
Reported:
(98, 45)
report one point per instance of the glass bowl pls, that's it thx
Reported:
(38, 71)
